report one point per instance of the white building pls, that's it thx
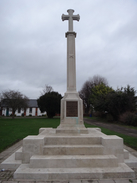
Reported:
(32, 110)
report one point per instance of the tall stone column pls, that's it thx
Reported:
(71, 64)
(71, 104)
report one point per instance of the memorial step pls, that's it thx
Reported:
(73, 150)
(73, 140)
(71, 131)
(18, 154)
(75, 161)
(122, 171)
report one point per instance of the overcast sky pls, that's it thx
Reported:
(33, 44)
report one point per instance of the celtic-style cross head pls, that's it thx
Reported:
(70, 17)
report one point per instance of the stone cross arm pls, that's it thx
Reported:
(70, 17)
(66, 17)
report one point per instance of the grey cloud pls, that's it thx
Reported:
(33, 43)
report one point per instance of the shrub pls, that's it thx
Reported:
(110, 118)
(129, 118)
(50, 102)
(97, 114)
(135, 121)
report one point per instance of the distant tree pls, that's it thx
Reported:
(116, 102)
(121, 101)
(0, 97)
(99, 96)
(132, 98)
(47, 89)
(96, 80)
(50, 102)
(14, 100)
(0, 106)
(86, 91)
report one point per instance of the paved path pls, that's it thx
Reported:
(6, 176)
(114, 127)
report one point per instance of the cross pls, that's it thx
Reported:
(70, 17)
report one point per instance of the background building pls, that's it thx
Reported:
(32, 110)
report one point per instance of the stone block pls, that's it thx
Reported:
(113, 145)
(32, 145)
(106, 181)
(123, 181)
(9, 181)
(18, 154)
(45, 174)
(72, 140)
(46, 131)
(89, 181)
(126, 154)
(73, 150)
(75, 161)
(75, 181)
(132, 161)
(41, 130)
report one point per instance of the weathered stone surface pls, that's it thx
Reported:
(73, 173)
(32, 145)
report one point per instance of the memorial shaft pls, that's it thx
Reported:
(71, 63)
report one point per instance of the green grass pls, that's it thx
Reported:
(128, 140)
(13, 130)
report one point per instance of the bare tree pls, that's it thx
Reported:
(14, 100)
(86, 90)
(96, 80)
(84, 93)
(47, 89)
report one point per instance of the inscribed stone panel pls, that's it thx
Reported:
(71, 109)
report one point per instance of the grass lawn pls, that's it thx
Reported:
(13, 130)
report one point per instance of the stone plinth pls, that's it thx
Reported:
(57, 156)
(71, 114)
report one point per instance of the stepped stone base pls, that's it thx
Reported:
(54, 155)
(122, 171)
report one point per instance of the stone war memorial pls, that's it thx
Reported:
(71, 152)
